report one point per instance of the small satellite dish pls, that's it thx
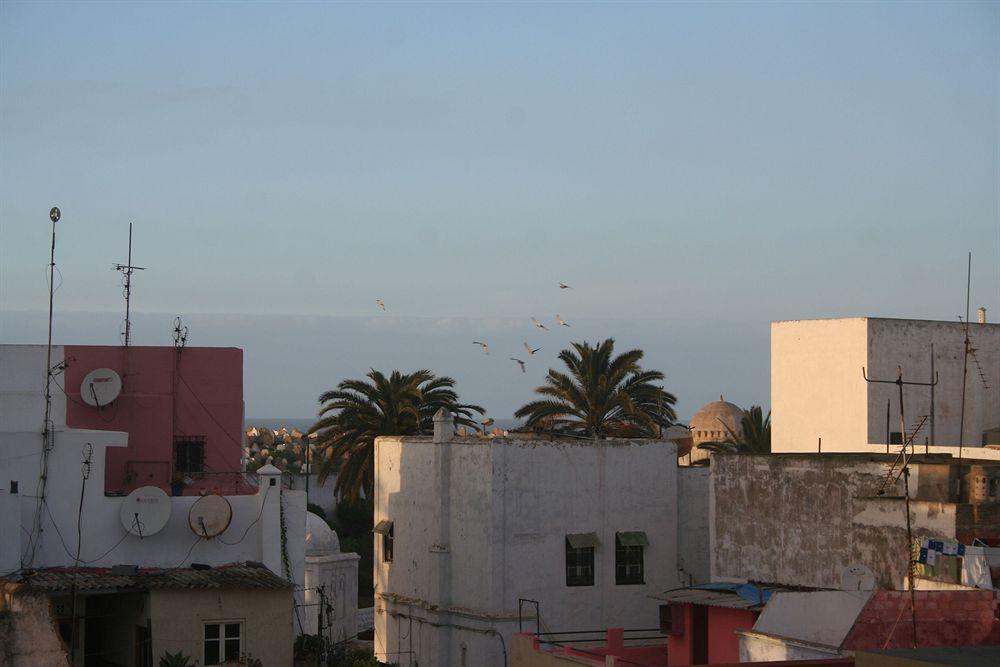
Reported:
(210, 516)
(54, 214)
(857, 578)
(145, 511)
(100, 387)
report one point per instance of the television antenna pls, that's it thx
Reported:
(905, 473)
(126, 271)
(180, 334)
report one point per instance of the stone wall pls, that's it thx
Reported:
(28, 634)
(801, 519)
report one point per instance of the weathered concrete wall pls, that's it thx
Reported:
(693, 530)
(817, 390)
(178, 618)
(28, 634)
(478, 525)
(800, 519)
(906, 343)
(756, 647)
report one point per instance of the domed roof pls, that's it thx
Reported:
(320, 538)
(717, 415)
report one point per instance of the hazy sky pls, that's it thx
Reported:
(694, 171)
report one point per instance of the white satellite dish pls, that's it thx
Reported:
(210, 516)
(100, 387)
(145, 511)
(857, 578)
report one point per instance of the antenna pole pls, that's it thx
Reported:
(933, 436)
(126, 271)
(128, 287)
(965, 372)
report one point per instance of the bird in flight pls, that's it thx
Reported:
(528, 348)
(561, 321)
(564, 286)
(539, 324)
(485, 346)
(519, 363)
(381, 304)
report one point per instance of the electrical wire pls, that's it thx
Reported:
(263, 504)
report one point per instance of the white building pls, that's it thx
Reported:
(39, 535)
(331, 584)
(468, 528)
(818, 391)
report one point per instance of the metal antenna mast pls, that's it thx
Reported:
(126, 271)
(905, 472)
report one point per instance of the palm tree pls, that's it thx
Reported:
(358, 411)
(755, 436)
(601, 395)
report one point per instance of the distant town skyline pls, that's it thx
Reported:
(693, 171)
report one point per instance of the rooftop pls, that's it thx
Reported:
(105, 580)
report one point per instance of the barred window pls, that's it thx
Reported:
(189, 453)
(629, 547)
(579, 565)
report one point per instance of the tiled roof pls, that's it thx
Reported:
(59, 579)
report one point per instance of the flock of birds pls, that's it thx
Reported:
(485, 347)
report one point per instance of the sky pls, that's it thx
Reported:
(694, 171)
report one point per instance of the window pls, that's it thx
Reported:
(385, 529)
(189, 453)
(629, 548)
(223, 641)
(580, 559)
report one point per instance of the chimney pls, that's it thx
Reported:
(982, 315)
(444, 426)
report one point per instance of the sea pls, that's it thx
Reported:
(303, 423)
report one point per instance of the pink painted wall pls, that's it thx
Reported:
(944, 618)
(197, 392)
(723, 643)
(679, 646)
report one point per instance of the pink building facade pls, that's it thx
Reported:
(182, 410)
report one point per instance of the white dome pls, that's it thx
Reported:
(320, 538)
(714, 421)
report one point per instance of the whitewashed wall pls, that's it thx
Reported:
(22, 375)
(480, 524)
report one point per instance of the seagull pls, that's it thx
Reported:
(539, 324)
(561, 320)
(528, 348)
(564, 286)
(519, 363)
(485, 346)
(381, 304)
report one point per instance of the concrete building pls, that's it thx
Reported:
(210, 615)
(174, 426)
(469, 529)
(802, 519)
(331, 584)
(818, 391)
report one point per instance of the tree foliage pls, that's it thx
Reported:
(601, 395)
(755, 437)
(358, 411)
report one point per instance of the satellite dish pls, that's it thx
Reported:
(857, 578)
(100, 387)
(210, 516)
(145, 511)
